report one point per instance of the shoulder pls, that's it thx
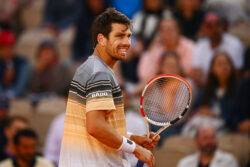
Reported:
(201, 45)
(41, 162)
(231, 39)
(92, 70)
(187, 42)
(202, 42)
(188, 160)
(6, 163)
(20, 59)
(225, 156)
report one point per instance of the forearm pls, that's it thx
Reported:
(102, 131)
(107, 135)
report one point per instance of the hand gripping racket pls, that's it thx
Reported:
(164, 101)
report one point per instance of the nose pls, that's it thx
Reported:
(127, 41)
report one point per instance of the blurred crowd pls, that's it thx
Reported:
(42, 42)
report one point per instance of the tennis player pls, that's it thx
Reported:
(94, 129)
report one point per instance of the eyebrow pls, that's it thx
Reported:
(123, 33)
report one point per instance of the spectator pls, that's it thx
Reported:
(219, 92)
(232, 10)
(60, 14)
(216, 39)
(10, 14)
(208, 154)
(12, 125)
(189, 15)
(25, 142)
(168, 39)
(54, 138)
(169, 63)
(147, 20)
(14, 69)
(81, 46)
(49, 75)
(241, 114)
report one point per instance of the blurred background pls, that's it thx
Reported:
(42, 42)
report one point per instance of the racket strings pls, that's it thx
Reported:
(165, 99)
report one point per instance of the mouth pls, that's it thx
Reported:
(122, 51)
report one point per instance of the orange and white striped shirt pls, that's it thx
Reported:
(93, 87)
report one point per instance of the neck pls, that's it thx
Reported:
(188, 14)
(215, 42)
(101, 53)
(205, 159)
(22, 163)
(222, 83)
(172, 45)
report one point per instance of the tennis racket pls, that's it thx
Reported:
(164, 101)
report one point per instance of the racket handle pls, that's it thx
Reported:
(160, 130)
(140, 163)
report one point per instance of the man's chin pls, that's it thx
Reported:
(27, 159)
(210, 150)
(121, 57)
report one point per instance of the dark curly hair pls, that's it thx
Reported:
(102, 24)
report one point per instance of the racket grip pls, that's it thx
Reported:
(140, 163)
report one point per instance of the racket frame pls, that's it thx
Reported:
(167, 124)
(163, 125)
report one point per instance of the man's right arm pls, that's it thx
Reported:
(103, 132)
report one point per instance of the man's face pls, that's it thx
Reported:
(15, 126)
(206, 141)
(47, 57)
(119, 41)
(26, 148)
(213, 26)
(189, 5)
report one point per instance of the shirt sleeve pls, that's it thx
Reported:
(99, 93)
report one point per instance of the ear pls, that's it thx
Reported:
(101, 39)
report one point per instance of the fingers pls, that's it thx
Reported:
(154, 136)
(144, 155)
(145, 141)
(155, 139)
(151, 162)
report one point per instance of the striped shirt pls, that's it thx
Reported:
(93, 87)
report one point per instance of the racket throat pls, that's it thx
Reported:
(162, 129)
